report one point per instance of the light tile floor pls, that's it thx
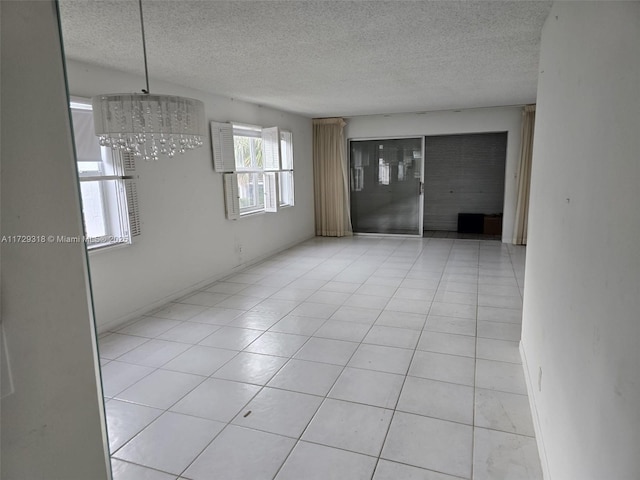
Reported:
(357, 358)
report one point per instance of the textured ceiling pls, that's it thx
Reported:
(322, 58)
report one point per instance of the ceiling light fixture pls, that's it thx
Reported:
(148, 125)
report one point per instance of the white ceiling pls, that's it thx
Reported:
(322, 57)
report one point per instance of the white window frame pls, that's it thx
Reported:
(275, 163)
(116, 182)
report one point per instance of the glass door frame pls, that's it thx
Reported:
(420, 233)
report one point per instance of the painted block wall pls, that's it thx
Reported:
(581, 322)
(186, 240)
(505, 119)
(52, 413)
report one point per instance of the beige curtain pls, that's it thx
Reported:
(524, 175)
(330, 178)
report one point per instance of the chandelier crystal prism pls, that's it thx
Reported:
(147, 125)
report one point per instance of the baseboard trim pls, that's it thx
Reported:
(121, 322)
(534, 414)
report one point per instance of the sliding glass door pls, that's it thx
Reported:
(386, 186)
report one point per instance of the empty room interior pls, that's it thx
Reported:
(316, 240)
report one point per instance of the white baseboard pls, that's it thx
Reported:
(118, 323)
(534, 414)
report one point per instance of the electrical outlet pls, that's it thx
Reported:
(539, 379)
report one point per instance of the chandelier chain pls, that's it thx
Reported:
(144, 49)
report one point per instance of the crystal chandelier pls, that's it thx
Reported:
(148, 125)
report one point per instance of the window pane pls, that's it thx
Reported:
(248, 152)
(93, 209)
(286, 188)
(286, 149)
(251, 191)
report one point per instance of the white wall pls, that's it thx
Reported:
(507, 119)
(186, 240)
(582, 288)
(51, 412)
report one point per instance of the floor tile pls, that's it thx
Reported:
(226, 287)
(382, 280)
(337, 352)
(366, 301)
(494, 314)
(414, 294)
(178, 311)
(161, 389)
(276, 306)
(117, 376)
(383, 359)
(456, 297)
(315, 310)
(439, 342)
(243, 277)
(216, 399)
(505, 455)
(458, 326)
(507, 412)
(377, 290)
(255, 320)
(200, 360)
(297, 325)
(154, 353)
(338, 330)
(500, 350)
(429, 443)
(343, 287)
(251, 368)
(239, 302)
(499, 301)
(306, 377)
(149, 327)
(499, 330)
(231, 338)
(129, 471)
(279, 411)
(453, 310)
(446, 368)
(408, 306)
(386, 470)
(502, 376)
(350, 426)
(206, 299)
(241, 454)
(125, 420)
(447, 286)
(356, 314)
(413, 321)
(332, 298)
(188, 332)
(447, 401)
(116, 344)
(309, 461)
(259, 291)
(368, 386)
(293, 293)
(392, 337)
(507, 290)
(171, 442)
(217, 316)
(279, 344)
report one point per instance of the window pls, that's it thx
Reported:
(262, 162)
(109, 197)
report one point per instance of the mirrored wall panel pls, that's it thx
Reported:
(385, 186)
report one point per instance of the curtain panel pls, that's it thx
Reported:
(330, 178)
(524, 175)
